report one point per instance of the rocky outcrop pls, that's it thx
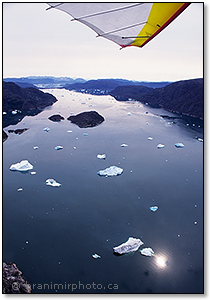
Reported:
(18, 131)
(4, 136)
(13, 281)
(86, 119)
(56, 118)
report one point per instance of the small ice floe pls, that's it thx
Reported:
(26, 242)
(150, 138)
(85, 134)
(69, 131)
(52, 182)
(111, 171)
(47, 129)
(33, 173)
(58, 147)
(179, 145)
(4, 112)
(124, 145)
(20, 189)
(22, 166)
(200, 140)
(36, 147)
(128, 114)
(131, 245)
(153, 208)
(101, 156)
(14, 112)
(160, 146)
(147, 252)
(96, 256)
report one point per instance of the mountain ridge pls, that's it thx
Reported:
(183, 97)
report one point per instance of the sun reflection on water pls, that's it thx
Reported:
(161, 261)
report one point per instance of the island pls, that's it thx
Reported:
(86, 119)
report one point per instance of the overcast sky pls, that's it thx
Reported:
(44, 42)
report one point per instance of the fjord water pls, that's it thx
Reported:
(51, 233)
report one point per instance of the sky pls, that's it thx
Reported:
(40, 42)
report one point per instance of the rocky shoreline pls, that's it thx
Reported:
(13, 281)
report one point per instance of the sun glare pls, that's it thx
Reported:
(161, 262)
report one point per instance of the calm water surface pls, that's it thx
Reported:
(51, 233)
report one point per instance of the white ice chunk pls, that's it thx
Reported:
(96, 256)
(124, 145)
(101, 156)
(22, 166)
(14, 112)
(179, 145)
(46, 129)
(36, 147)
(69, 131)
(200, 140)
(52, 182)
(147, 252)
(153, 208)
(111, 171)
(58, 147)
(159, 146)
(128, 114)
(33, 173)
(20, 189)
(131, 245)
(150, 138)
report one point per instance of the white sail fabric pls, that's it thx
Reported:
(118, 22)
(127, 24)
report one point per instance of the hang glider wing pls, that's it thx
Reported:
(127, 24)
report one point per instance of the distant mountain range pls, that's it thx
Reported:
(99, 86)
(43, 81)
(183, 97)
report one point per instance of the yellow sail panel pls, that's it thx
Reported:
(161, 15)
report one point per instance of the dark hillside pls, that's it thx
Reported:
(184, 97)
(25, 101)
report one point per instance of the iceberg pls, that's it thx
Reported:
(58, 147)
(160, 146)
(46, 129)
(124, 145)
(150, 138)
(153, 208)
(179, 145)
(96, 256)
(147, 252)
(52, 182)
(111, 171)
(131, 245)
(101, 156)
(22, 166)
